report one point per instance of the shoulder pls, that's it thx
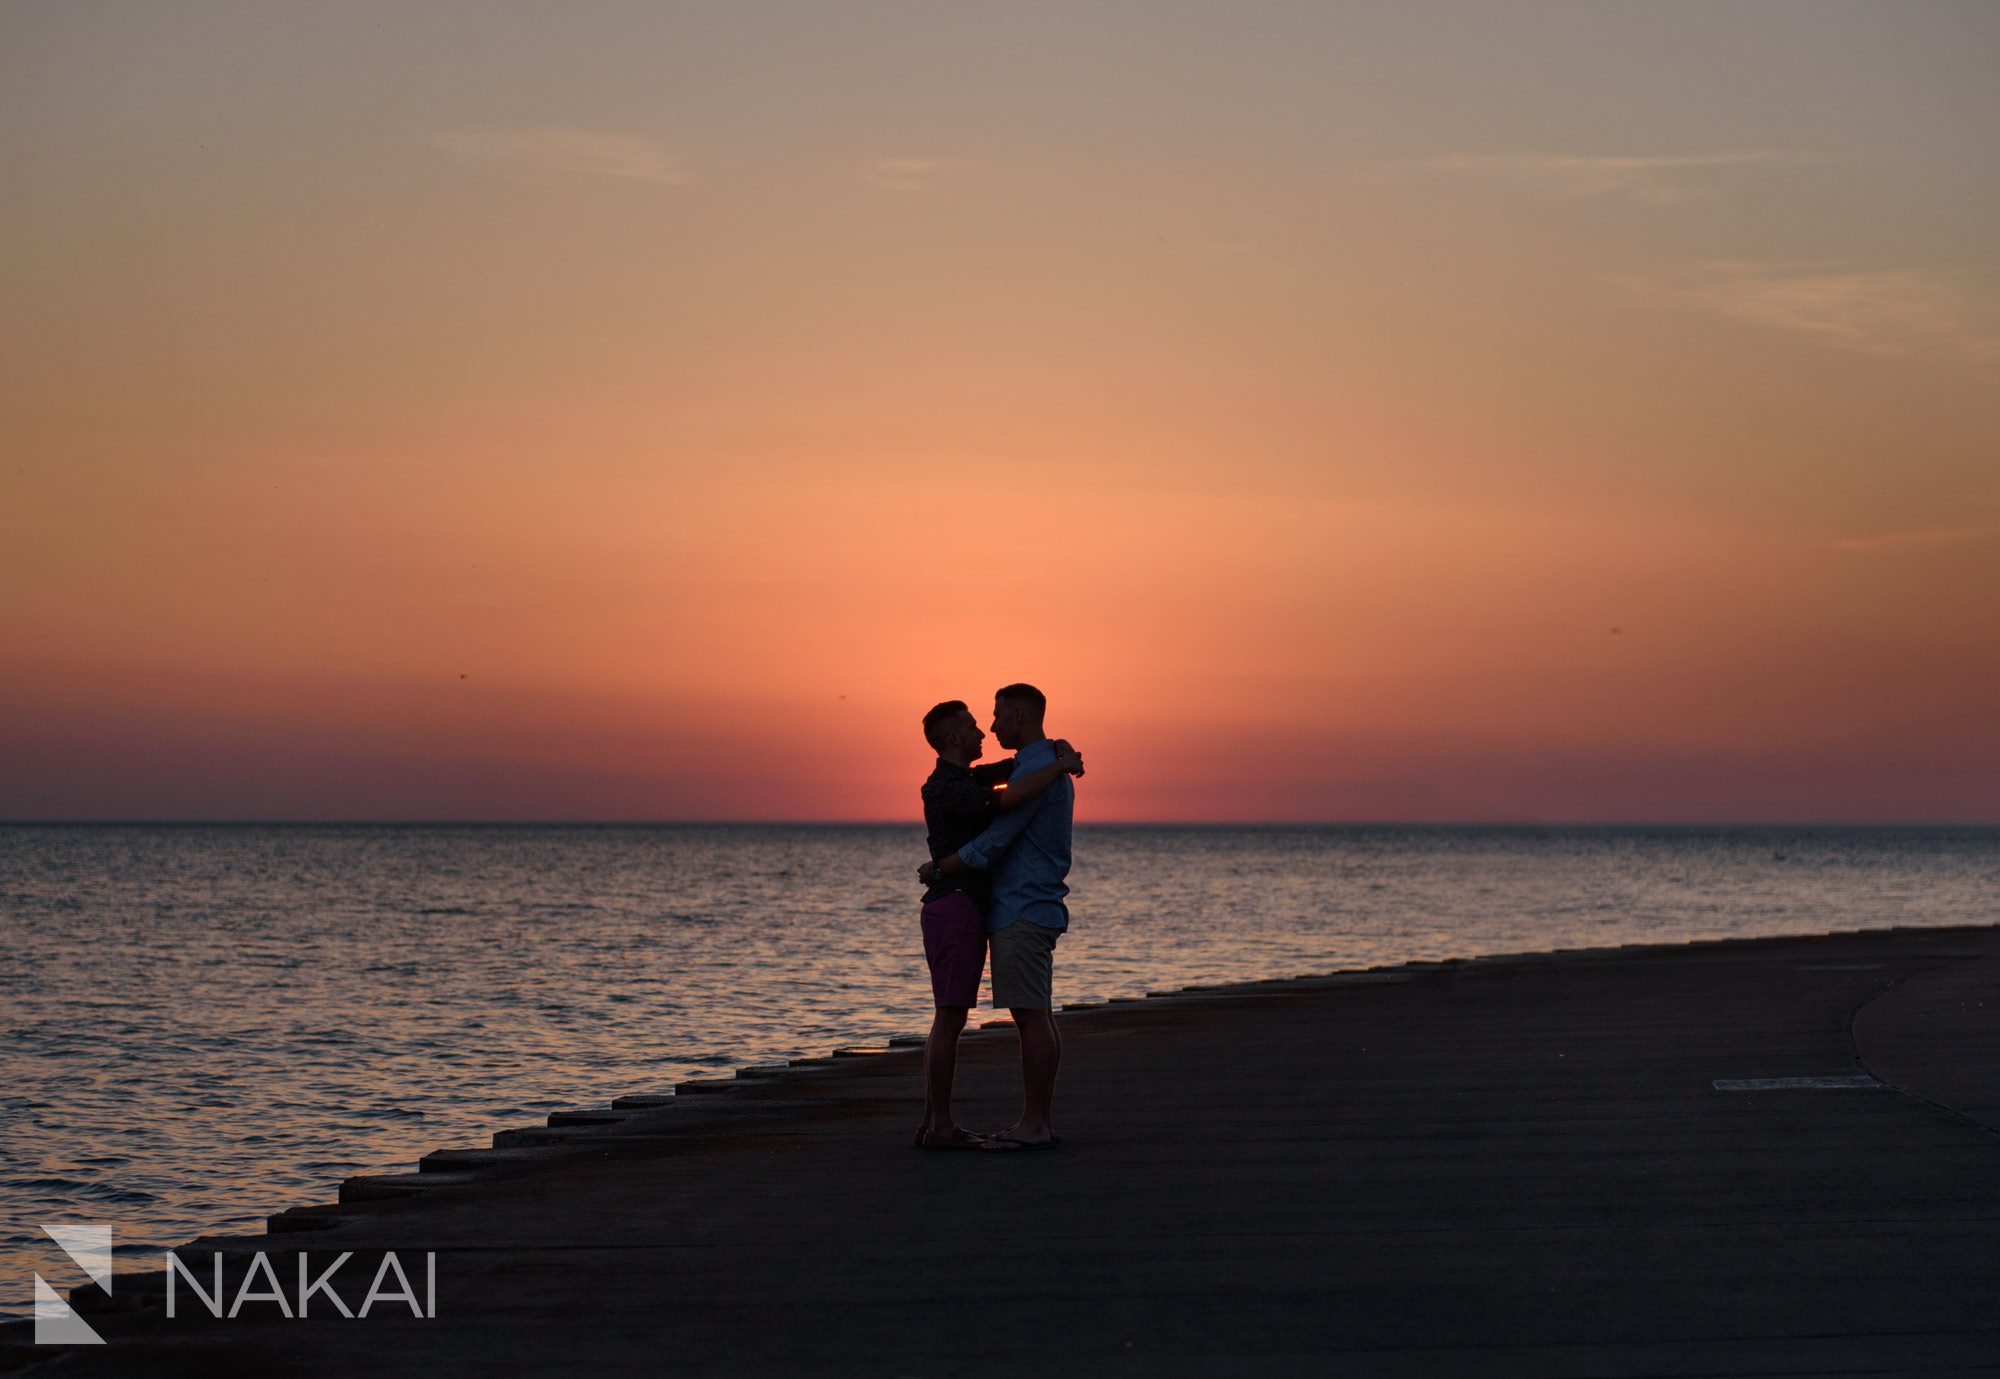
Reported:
(1034, 757)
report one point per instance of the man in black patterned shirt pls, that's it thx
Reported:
(960, 800)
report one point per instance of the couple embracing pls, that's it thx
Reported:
(1000, 848)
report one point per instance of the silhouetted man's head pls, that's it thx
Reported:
(953, 732)
(1017, 715)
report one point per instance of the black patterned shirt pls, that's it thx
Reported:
(958, 805)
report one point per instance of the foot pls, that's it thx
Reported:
(1021, 1135)
(948, 1137)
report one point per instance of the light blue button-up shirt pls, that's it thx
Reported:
(1028, 850)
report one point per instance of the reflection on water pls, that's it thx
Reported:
(207, 1024)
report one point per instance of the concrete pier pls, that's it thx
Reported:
(1774, 1156)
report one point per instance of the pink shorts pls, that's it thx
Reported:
(955, 948)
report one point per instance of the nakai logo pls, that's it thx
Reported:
(89, 1248)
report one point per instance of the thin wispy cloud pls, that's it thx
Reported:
(1922, 536)
(1888, 312)
(545, 153)
(911, 174)
(1648, 179)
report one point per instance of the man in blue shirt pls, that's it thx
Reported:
(1028, 851)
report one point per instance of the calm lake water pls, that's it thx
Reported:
(203, 1025)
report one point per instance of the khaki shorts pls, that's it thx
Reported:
(1024, 965)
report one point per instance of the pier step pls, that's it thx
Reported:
(319, 1217)
(541, 1136)
(700, 1085)
(379, 1187)
(481, 1161)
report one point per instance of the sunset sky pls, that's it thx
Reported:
(1344, 412)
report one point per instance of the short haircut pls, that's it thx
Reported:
(935, 720)
(1027, 694)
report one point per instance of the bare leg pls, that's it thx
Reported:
(1041, 1057)
(940, 1065)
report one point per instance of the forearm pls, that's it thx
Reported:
(1016, 793)
(998, 837)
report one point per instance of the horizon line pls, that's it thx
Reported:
(918, 823)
